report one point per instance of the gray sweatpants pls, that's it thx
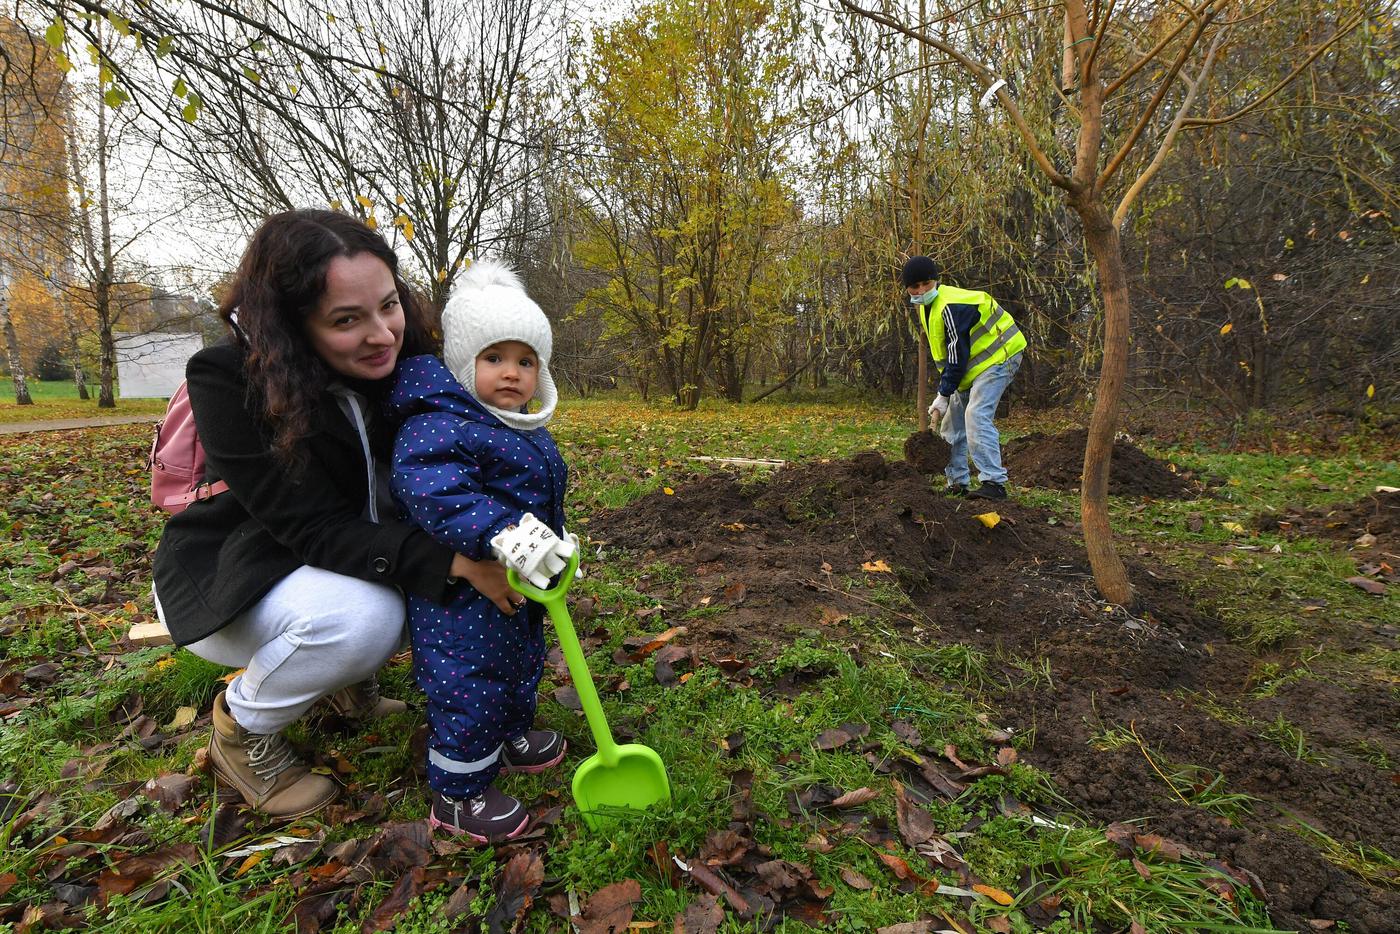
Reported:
(313, 634)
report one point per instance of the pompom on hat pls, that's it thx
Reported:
(488, 305)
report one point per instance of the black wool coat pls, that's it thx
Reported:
(220, 556)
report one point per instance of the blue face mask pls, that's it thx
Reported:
(926, 299)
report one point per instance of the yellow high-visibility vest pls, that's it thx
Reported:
(995, 337)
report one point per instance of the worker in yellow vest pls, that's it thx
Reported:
(977, 349)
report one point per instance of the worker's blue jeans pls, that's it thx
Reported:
(969, 425)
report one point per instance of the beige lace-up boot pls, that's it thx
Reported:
(265, 769)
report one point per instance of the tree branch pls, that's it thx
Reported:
(1342, 32)
(987, 77)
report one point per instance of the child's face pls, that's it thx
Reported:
(506, 374)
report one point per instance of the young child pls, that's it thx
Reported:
(480, 473)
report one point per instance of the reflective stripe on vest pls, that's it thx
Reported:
(996, 345)
(985, 327)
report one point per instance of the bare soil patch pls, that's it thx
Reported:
(1057, 462)
(814, 544)
(1370, 525)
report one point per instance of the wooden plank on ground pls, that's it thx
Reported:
(741, 461)
(149, 634)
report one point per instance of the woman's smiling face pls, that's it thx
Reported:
(357, 327)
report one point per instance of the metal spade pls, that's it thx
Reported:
(626, 776)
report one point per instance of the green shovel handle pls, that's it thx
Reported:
(554, 603)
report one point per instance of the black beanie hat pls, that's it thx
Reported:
(919, 269)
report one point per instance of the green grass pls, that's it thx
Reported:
(62, 503)
(55, 399)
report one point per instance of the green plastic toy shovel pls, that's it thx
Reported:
(626, 776)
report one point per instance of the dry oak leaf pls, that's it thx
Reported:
(781, 875)
(609, 911)
(386, 916)
(515, 891)
(1368, 585)
(840, 736)
(725, 848)
(1169, 850)
(169, 791)
(702, 916)
(856, 798)
(855, 880)
(898, 866)
(915, 823)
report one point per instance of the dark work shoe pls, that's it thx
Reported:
(989, 489)
(491, 816)
(536, 751)
(955, 489)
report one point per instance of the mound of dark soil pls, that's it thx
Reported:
(1376, 515)
(926, 451)
(1057, 462)
(817, 543)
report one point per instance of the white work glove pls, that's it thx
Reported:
(536, 553)
(937, 409)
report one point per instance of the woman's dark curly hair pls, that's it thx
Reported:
(280, 281)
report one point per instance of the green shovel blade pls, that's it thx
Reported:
(629, 776)
(635, 779)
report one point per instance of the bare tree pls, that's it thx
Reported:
(431, 143)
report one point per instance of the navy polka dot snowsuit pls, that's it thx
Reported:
(463, 475)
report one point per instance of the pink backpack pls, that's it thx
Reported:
(177, 459)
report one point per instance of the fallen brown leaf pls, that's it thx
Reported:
(840, 736)
(702, 916)
(609, 911)
(856, 798)
(1169, 850)
(1368, 585)
(898, 866)
(725, 848)
(915, 823)
(639, 647)
(169, 791)
(409, 887)
(855, 880)
(515, 891)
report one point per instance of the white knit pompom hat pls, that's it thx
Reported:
(489, 305)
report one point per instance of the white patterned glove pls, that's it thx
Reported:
(532, 548)
(937, 409)
(572, 539)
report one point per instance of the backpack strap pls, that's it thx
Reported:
(201, 492)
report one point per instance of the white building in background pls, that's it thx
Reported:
(152, 365)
